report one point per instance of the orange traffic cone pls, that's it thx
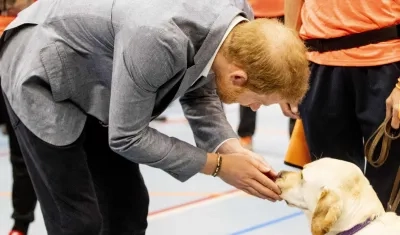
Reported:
(297, 154)
(4, 21)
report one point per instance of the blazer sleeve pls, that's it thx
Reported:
(133, 91)
(204, 111)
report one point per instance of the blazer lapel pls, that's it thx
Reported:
(190, 76)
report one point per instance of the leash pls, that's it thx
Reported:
(357, 228)
(384, 134)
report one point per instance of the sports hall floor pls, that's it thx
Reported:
(203, 205)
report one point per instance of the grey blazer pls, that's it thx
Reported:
(122, 62)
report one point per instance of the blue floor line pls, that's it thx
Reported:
(268, 223)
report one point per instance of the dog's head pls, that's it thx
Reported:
(332, 193)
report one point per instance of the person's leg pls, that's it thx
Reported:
(23, 195)
(62, 182)
(373, 87)
(328, 114)
(247, 126)
(121, 191)
(292, 122)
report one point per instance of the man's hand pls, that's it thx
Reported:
(271, 172)
(393, 107)
(234, 146)
(290, 110)
(256, 172)
(230, 146)
(246, 173)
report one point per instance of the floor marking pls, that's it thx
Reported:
(191, 194)
(5, 194)
(211, 198)
(268, 223)
(179, 120)
(192, 204)
(172, 194)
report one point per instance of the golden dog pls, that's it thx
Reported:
(337, 199)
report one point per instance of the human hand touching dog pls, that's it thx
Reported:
(244, 170)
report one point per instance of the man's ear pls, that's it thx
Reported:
(238, 77)
(326, 213)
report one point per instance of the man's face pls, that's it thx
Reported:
(230, 81)
(230, 93)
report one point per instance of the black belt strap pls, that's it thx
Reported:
(354, 40)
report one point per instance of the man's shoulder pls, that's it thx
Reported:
(174, 14)
(185, 21)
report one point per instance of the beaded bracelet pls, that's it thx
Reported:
(219, 162)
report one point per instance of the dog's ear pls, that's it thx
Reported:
(326, 213)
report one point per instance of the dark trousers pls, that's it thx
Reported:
(23, 196)
(247, 124)
(84, 188)
(342, 109)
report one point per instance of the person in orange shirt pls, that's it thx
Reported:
(247, 122)
(354, 54)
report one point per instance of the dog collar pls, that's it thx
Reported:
(356, 228)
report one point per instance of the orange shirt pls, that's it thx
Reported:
(334, 18)
(267, 8)
(4, 22)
